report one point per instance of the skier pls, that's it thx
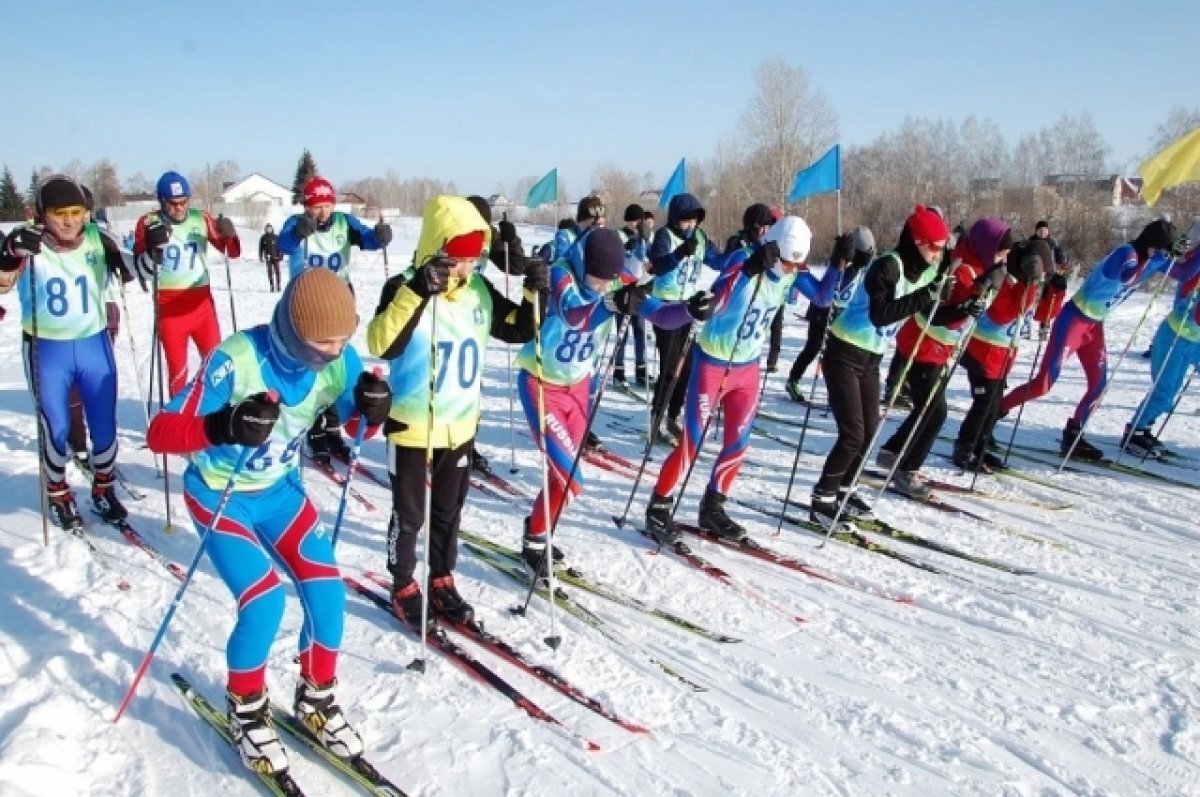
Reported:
(754, 283)
(1181, 327)
(1054, 289)
(64, 263)
(304, 356)
(268, 253)
(676, 253)
(976, 273)
(756, 220)
(635, 268)
(586, 295)
(321, 237)
(590, 212)
(990, 354)
(171, 244)
(1079, 328)
(439, 313)
(851, 252)
(894, 286)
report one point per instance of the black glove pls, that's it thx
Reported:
(843, 249)
(626, 300)
(700, 306)
(158, 235)
(939, 290)
(225, 227)
(992, 279)
(687, 248)
(24, 241)
(1026, 269)
(1058, 282)
(383, 234)
(304, 226)
(247, 423)
(975, 306)
(431, 278)
(537, 274)
(508, 233)
(372, 398)
(763, 258)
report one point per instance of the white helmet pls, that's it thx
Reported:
(792, 236)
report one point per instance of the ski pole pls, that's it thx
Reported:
(1154, 385)
(866, 452)
(687, 477)
(804, 427)
(1113, 374)
(386, 274)
(512, 445)
(622, 329)
(939, 387)
(554, 640)
(169, 527)
(35, 389)
(355, 448)
(229, 288)
(191, 571)
(655, 420)
(418, 664)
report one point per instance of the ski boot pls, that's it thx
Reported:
(912, 484)
(1142, 443)
(314, 706)
(1084, 451)
(445, 600)
(533, 554)
(618, 378)
(674, 429)
(318, 447)
(61, 503)
(823, 508)
(885, 459)
(856, 507)
(659, 524)
(254, 734)
(337, 445)
(795, 391)
(104, 498)
(592, 443)
(406, 604)
(639, 376)
(714, 519)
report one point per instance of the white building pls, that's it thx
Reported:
(258, 189)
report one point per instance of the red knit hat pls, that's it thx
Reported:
(467, 245)
(318, 191)
(926, 226)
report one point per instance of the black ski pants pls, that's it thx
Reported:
(925, 384)
(980, 420)
(670, 343)
(818, 322)
(852, 380)
(451, 481)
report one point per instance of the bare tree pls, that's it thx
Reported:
(101, 178)
(786, 126)
(618, 189)
(208, 183)
(138, 184)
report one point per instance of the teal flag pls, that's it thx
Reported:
(676, 184)
(823, 176)
(544, 190)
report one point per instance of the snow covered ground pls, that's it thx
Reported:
(1081, 678)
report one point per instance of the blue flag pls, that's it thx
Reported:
(824, 175)
(544, 190)
(676, 183)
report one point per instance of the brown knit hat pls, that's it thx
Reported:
(322, 306)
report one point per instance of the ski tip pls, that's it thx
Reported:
(591, 746)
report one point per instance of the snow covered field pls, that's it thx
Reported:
(1080, 678)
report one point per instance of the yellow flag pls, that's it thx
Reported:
(1178, 163)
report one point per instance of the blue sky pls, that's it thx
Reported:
(480, 93)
